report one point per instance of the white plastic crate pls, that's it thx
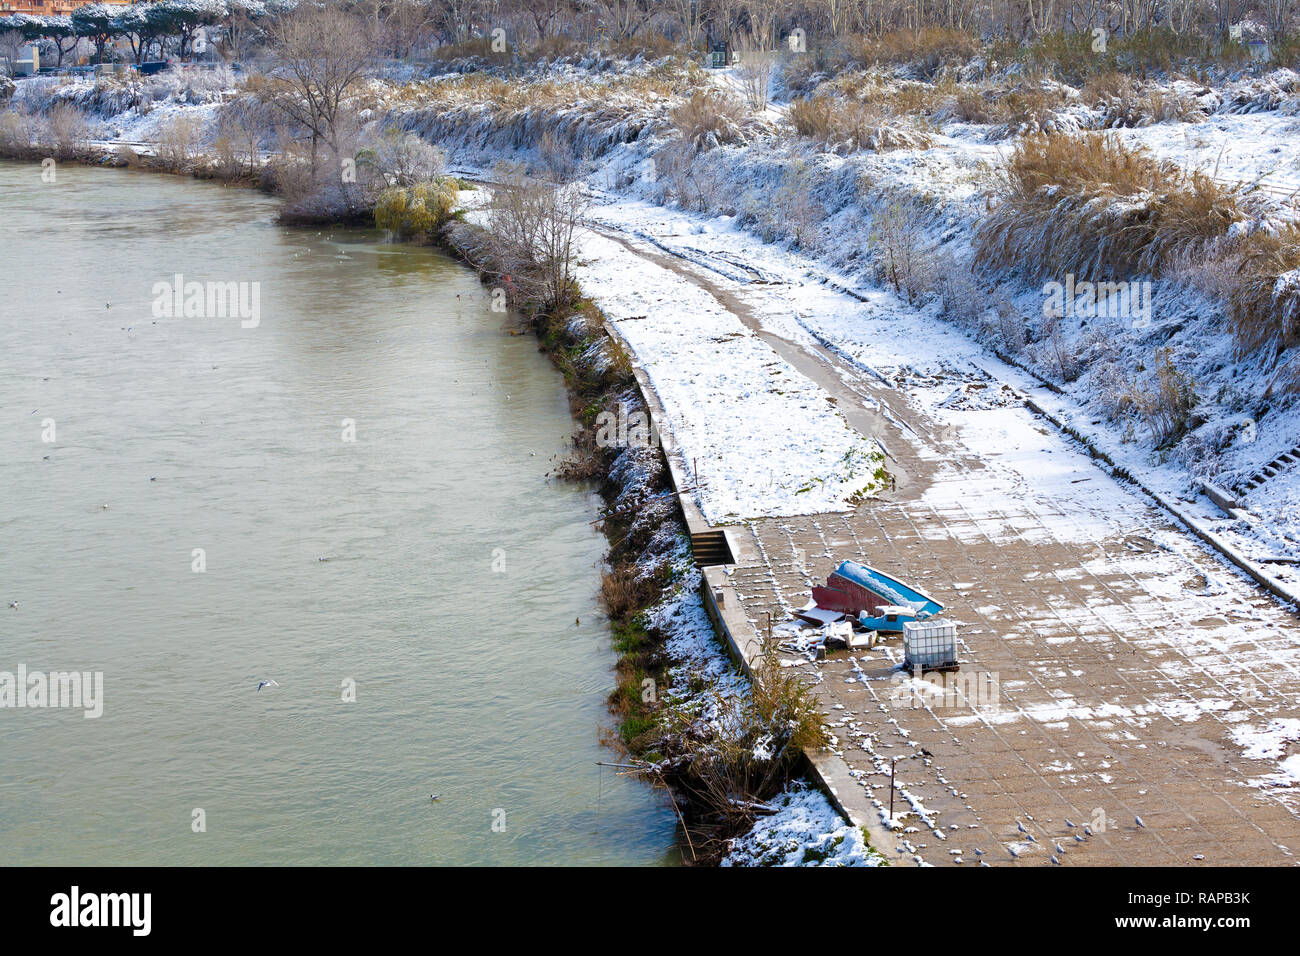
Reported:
(930, 644)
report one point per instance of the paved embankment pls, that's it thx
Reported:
(1125, 672)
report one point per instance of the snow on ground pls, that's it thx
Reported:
(698, 659)
(805, 831)
(1232, 148)
(763, 436)
(1271, 743)
(925, 356)
(935, 362)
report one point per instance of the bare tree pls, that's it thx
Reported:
(689, 17)
(11, 46)
(755, 73)
(623, 17)
(533, 225)
(323, 54)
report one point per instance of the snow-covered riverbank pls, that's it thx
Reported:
(726, 269)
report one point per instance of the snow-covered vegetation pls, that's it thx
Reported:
(1109, 208)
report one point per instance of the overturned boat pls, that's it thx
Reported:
(855, 589)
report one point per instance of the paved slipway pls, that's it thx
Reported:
(1124, 671)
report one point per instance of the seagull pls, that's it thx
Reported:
(979, 852)
(1138, 821)
(1078, 839)
(1030, 837)
(1021, 827)
(267, 683)
(1088, 830)
(1060, 849)
(13, 603)
(1014, 852)
(1056, 861)
(1069, 823)
(982, 863)
(434, 796)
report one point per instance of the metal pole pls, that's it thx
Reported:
(892, 764)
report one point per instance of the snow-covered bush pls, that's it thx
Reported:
(709, 118)
(1162, 398)
(1124, 101)
(403, 159)
(177, 143)
(900, 248)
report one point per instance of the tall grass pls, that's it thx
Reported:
(1072, 57)
(1264, 302)
(1090, 205)
(847, 125)
(708, 118)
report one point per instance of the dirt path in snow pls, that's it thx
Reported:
(1113, 670)
(866, 403)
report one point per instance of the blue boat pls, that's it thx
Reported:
(856, 589)
(887, 617)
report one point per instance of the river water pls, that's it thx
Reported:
(171, 536)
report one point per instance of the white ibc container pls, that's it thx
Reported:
(929, 644)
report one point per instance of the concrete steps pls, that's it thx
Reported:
(1279, 464)
(711, 548)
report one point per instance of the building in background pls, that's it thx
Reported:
(48, 8)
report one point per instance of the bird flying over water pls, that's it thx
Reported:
(267, 683)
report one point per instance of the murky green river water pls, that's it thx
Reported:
(454, 578)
